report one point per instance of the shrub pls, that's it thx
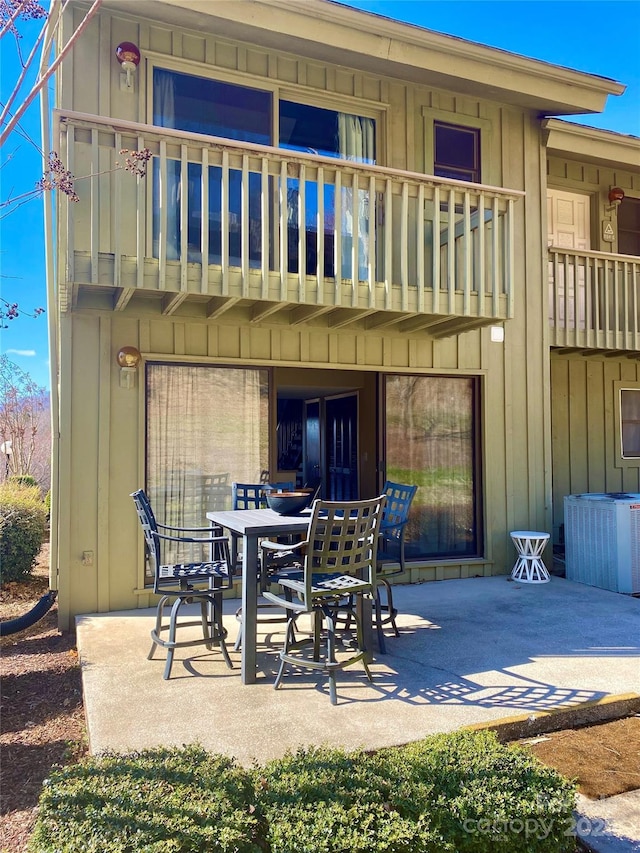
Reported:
(448, 793)
(458, 792)
(23, 521)
(482, 795)
(156, 801)
(326, 800)
(23, 480)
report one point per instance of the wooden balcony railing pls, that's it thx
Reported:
(233, 221)
(594, 300)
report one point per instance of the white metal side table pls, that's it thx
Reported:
(529, 567)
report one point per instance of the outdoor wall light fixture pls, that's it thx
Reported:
(128, 358)
(128, 55)
(616, 195)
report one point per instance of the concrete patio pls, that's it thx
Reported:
(469, 652)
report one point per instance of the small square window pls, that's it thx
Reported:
(456, 152)
(629, 227)
(630, 422)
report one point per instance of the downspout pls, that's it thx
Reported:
(52, 319)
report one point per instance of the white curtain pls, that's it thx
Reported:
(206, 427)
(356, 138)
(356, 141)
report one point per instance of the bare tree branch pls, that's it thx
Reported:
(14, 94)
(43, 77)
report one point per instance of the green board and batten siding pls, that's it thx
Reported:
(584, 427)
(103, 437)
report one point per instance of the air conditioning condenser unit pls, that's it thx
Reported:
(602, 540)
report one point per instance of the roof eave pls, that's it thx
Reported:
(350, 37)
(592, 145)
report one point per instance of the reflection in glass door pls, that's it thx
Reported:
(431, 440)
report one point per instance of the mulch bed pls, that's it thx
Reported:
(603, 758)
(41, 713)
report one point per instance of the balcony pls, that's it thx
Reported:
(289, 236)
(594, 301)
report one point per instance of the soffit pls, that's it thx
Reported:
(329, 32)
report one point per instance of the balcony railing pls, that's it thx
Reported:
(594, 300)
(233, 221)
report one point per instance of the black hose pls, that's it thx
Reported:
(12, 626)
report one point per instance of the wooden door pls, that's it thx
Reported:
(341, 442)
(569, 227)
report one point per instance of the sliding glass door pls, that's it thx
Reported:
(232, 111)
(206, 427)
(432, 441)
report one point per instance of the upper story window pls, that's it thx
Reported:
(327, 132)
(629, 226)
(456, 152)
(238, 232)
(215, 108)
(202, 105)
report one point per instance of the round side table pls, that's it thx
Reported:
(529, 567)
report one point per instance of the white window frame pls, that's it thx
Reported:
(621, 460)
(430, 116)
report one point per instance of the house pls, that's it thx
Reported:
(337, 270)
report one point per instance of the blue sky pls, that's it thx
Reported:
(593, 36)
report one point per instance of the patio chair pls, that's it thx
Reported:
(392, 529)
(175, 580)
(251, 496)
(338, 561)
(392, 532)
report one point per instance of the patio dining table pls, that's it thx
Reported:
(254, 525)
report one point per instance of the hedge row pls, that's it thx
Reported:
(461, 792)
(23, 527)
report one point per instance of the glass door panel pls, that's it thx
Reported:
(201, 105)
(431, 436)
(206, 427)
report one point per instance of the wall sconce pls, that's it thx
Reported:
(616, 195)
(128, 56)
(128, 358)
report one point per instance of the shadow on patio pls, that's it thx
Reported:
(470, 651)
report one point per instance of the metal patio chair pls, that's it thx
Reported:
(338, 562)
(251, 496)
(392, 529)
(178, 580)
(392, 532)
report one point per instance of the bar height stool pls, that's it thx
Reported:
(529, 567)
